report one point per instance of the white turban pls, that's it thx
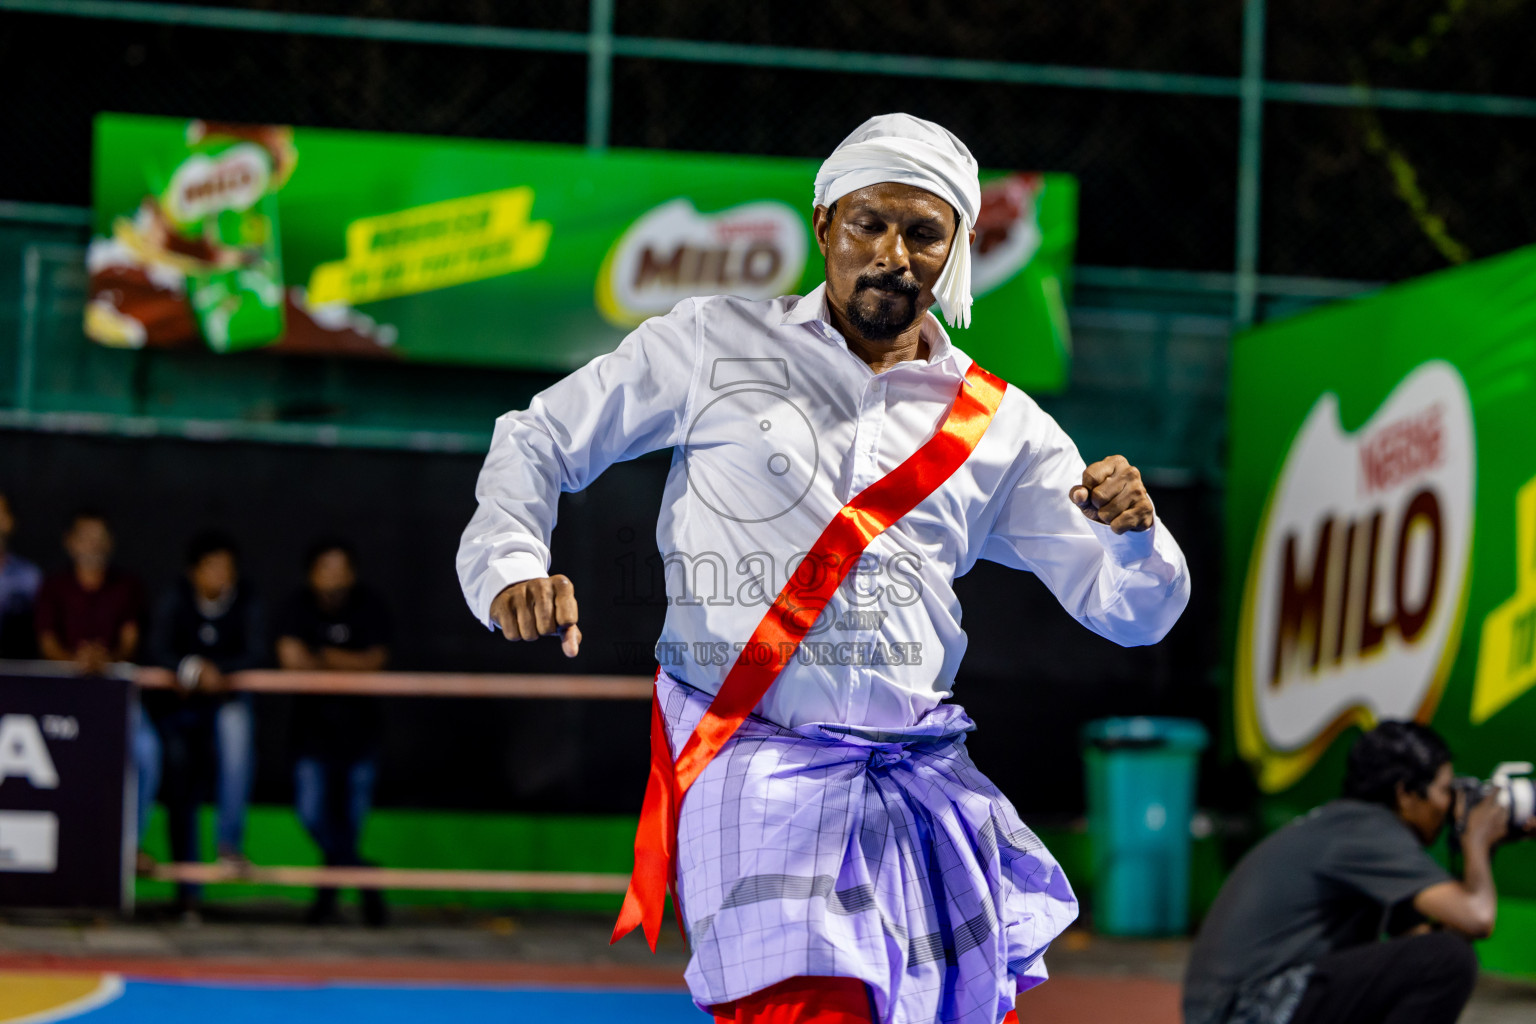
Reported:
(910, 151)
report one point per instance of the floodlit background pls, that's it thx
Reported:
(1235, 164)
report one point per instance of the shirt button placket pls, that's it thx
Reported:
(871, 420)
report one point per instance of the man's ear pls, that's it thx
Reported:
(821, 225)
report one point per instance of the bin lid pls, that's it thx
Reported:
(1144, 732)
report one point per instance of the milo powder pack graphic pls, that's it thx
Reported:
(201, 254)
(222, 197)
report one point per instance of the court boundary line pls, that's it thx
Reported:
(447, 880)
(403, 971)
(109, 989)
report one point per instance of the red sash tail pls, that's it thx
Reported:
(778, 635)
(655, 842)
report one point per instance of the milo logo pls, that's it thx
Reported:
(755, 250)
(203, 185)
(1355, 592)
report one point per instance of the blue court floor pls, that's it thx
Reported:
(246, 1002)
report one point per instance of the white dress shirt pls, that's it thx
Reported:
(774, 425)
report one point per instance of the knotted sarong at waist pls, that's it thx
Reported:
(879, 855)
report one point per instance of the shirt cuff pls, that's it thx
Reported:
(503, 572)
(1134, 547)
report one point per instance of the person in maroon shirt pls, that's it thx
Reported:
(90, 613)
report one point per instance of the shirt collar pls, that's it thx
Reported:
(942, 354)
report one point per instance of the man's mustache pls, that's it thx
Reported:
(890, 282)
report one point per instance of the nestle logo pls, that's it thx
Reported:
(1402, 449)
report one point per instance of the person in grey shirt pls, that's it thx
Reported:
(1294, 935)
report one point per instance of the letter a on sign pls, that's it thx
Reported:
(24, 754)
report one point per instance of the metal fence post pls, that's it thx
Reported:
(26, 348)
(1250, 156)
(599, 74)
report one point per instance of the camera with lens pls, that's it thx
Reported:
(1511, 783)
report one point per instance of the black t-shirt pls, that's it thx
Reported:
(233, 636)
(1324, 882)
(330, 726)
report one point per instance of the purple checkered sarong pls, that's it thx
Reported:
(833, 850)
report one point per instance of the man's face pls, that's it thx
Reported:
(89, 543)
(214, 575)
(332, 574)
(884, 249)
(1427, 814)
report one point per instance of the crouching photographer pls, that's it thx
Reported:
(1294, 937)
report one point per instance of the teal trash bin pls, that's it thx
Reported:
(1141, 795)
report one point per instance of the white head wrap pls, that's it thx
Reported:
(910, 151)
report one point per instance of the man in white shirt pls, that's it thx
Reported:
(841, 858)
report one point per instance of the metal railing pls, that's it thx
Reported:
(384, 684)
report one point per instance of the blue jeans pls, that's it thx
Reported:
(186, 729)
(146, 763)
(332, 798)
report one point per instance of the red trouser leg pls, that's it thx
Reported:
(802, 1000)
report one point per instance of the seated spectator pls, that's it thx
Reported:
(19, 580)
(89, 613)
(334, 623)
(208, 626)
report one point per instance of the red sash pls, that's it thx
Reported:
(777, 636)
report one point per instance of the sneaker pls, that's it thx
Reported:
(189, 911)
(324, 910)
(375, 911)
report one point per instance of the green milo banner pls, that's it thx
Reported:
(1382, 532)
(301, 240)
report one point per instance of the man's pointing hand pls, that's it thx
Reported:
(541, 607)
(1112, 493)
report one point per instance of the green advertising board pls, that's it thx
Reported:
(302, 240)
(1381, 517)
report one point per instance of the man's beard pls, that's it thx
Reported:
(889, 317)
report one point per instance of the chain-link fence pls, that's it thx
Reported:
(1364, 191)
(1386, 140)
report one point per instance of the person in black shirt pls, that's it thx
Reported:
(206, 627)
(1293, 935)
(335, 624)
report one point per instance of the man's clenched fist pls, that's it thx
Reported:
(1112, 493)
(535, 608)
